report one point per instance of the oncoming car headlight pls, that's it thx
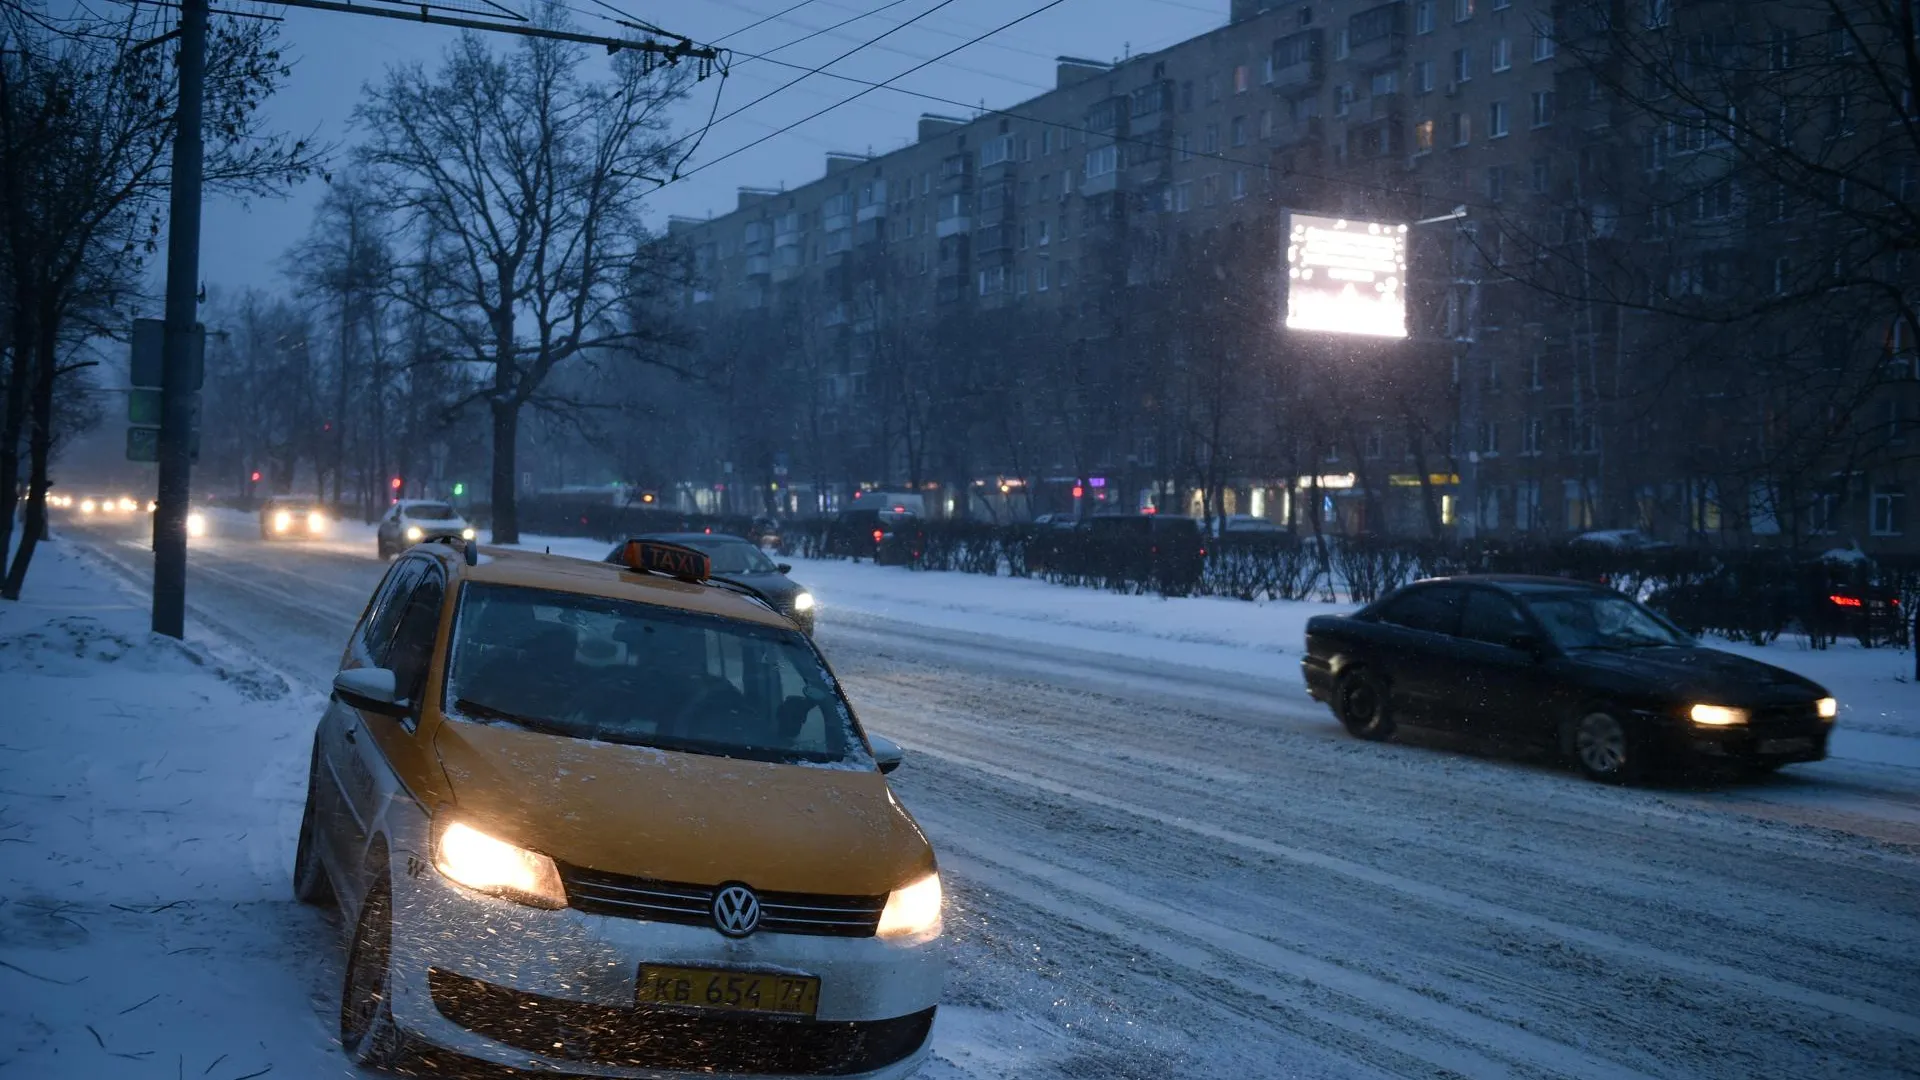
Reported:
(316, 522)
(414, 534)
(467, 533)
(803, 602)
(1827, 708)
(913, 911)
(282, 521)
(1717, 716)
(196, 523)
(465, 855)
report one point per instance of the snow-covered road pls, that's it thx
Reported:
(1161, 870)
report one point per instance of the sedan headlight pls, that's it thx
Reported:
(803, 602)
(196, 524)
(1718, 716)
(482, 863)
(913, 911)
(86, 506)
(414, 534)
(316, 522)
(282, 521)
(1827, 707)
(467, 533)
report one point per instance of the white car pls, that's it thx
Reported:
(410, 521)
(1621, 540)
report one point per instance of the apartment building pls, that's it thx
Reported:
(1086, 286)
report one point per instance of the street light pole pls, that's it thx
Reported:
(183, 287)
(1468, 513)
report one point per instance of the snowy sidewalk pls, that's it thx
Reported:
(149, 798)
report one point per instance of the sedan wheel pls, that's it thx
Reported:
(1360, 700)
(367, 1031)
(1603, 749)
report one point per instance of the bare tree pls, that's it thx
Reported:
(528, 175)
(86, 122)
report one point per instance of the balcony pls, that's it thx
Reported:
(997, 240)
(1298, 61)
(759, 265)
(870, 212)
(1376, 139)
(1099, 185)
(1387, 106)
(833, 223)
(1307, 129)
(952, 226)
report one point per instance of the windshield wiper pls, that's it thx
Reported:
(481, 711)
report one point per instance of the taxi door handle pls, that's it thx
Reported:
(352, 732)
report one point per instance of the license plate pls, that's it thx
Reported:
(730, 991)
(1785, 746)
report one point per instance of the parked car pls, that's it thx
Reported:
(1049, 543)
(765, 532)
(888, 537)
(739, 560)
(1166, 551)
(1562, 664)
(1249, 525)
(1818, 597)
(410, 521)
(1621, 540)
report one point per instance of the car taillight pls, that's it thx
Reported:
(878, 536)
(1844, 601)
(1203, 553)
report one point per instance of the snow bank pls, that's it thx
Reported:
(149, 799)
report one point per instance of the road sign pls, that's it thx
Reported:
(143, 408)
(148, 334)
(143, 444)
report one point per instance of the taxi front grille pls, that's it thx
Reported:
(601, 893)
(647, 1038)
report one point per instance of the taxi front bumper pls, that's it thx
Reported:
(554, 991)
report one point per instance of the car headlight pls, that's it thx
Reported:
(803, 602)
(316, 522)
(282, 521)
(127, 504)
(467, 533)
(482, 863)
(1827, 707)
(1718, 716)
(913, 911)
(86, 506)
(414, 534)
(196, 524)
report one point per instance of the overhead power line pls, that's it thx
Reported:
(870, 89)
(762, 21)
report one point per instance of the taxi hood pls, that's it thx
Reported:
(682, 817)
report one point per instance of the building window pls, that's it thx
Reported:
(1342, 44)
(1780, 50)
(1530, 437)
(1502, 54)
(1210, 139)
(1213, 89)
(1839, 36)
(1266, 71)
(1183, 147)
(1423, 76)
(1497, 120)
(1266, 123)
(1462, 129)
(1543, 41)
(1040, 278)
(1542, 108)
(1542, 175)
(1342, 99)
(1423, 136)
(1240, 183)
(1423, 16)
(1102, 161)
(1891, 422)
(1496, 183)
(1238, 130)
(1659, 13)
(1210, 191)
(1889, 510)
(1183, 196)
(1242, 79)
(1462, 64)
(1537, 372)
(1462, 10)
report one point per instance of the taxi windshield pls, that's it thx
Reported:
(592, 667)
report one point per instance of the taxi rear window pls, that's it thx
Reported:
(591, 667)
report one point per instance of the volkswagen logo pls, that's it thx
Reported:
(736, 911)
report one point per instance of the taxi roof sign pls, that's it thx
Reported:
(674, 560)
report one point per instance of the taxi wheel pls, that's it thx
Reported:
(1360, 700)
(310, 883)
(367, 1031)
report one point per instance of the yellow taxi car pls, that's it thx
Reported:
(612, 820)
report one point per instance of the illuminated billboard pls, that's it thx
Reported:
(1346, 277)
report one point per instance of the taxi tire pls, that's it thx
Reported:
(311, 885)
(375, 1042)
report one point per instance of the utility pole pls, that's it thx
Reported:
(183, 289)
(183, 256)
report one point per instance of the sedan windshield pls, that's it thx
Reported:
(430, 512)
(1600, 620)
(590, 667)
(735, 557)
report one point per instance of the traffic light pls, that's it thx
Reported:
(394, 483)
(459, 489)
(256, 476)
(1078, 491)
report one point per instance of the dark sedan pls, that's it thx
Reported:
(740, 561)
(1561, 664)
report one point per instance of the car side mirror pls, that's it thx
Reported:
(371, 689)
(785, 567)
(886, 753)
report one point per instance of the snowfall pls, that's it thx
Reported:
(1163, 859)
